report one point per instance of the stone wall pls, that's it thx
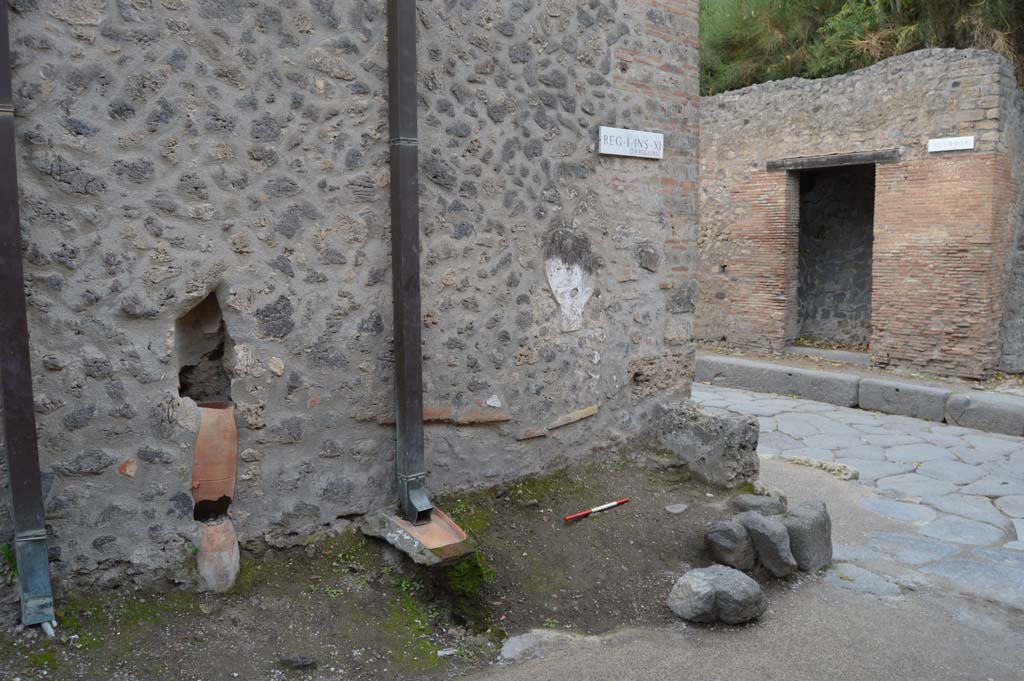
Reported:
(836, 233)
(233, 153)
(942, 221)
(1013, 320)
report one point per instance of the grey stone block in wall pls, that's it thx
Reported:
(987, 411)
(906, 399)
(820, 386)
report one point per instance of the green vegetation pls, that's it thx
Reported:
(43, 660)
(751, 41)
(409, 623)
(9, 564)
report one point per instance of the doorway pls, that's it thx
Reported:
(837, 207)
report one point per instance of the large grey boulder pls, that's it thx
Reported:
(730, 544)
(717, 594)
(714, 445)
(765, 505)
(771, 541)
(810, 535)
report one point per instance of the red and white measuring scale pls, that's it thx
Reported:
(596, 509)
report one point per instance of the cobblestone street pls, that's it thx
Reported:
(963, 491)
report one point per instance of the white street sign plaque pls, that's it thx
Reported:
(620, 142)
(950, 144)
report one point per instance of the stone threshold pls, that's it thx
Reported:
(977, 409)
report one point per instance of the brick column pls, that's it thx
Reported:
(939, 270)
(762, 268)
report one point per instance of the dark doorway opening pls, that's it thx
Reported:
(202, 346)
(837, 210)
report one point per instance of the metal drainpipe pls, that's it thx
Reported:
(405, 261)
(16, 401)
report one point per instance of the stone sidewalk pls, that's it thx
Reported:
(963, 491)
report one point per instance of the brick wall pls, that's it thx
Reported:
(758, 274)
(939, 263)
(748, 236)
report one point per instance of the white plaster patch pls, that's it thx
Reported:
(572, 288)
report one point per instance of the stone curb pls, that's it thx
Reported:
(991, 412)
(819, 386)
(905, 399)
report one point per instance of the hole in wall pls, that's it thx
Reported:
(209, 509)
(201, 345)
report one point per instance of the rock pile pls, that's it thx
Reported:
(764, 533)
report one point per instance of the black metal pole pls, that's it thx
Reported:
(19, 424)
(405, 261)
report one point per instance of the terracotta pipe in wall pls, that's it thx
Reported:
(19, 424)
(405, 262)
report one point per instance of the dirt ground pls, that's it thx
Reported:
(359, 610)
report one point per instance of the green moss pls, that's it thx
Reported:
(43, 660)
(542, 488)
(353, 549)
(250, 573)
(746, 488)
(466, 578)
(473, 512)
(7, 553)
(409, 623)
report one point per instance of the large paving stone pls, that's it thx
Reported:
(821, 386)
(1012, 505)
(873, 470)
(771, 542)
(808, 453)
(898, 510)
(833, 441)
(970, 506)
(797, 426)
(915, 485)
(951, 471)
(999, 583)
(905, 399)
(918, 453)
(912, 549)
(975, 456)
(993, 412)
(959, 530)
(994, 486)
(1014, 559)
(993, 444)
(854, 578)
(863, 451)
(717, 594)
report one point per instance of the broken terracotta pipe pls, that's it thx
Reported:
(214, 472)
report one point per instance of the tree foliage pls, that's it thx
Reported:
(750, 41)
